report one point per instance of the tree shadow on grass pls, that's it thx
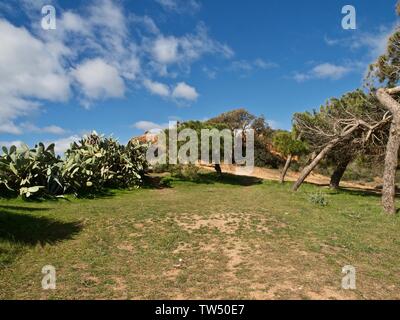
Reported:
(30, 230)
(355, 191)
(154, 181)
(21, 208)
(358, 192)
(106, 193)
(228, 178)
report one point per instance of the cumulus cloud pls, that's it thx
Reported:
(181, 91)
(148, 126)
(29, 70)
(183, 51)
(73, 22)
(99, 79)
(165, 50)
(97, 52)
(324, 71)
(157, 88)
(184, 91)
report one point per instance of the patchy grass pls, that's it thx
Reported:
(232, 238)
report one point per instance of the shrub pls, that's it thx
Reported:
(186, 172)
(166, 182)
(90, 165)
(96, 162)
(295, 166)
(31, 172)
(318, 198)
(160, 168)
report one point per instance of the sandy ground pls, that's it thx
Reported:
(274, 174)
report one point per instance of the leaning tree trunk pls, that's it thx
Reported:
(392, 149)
(307, 170)
(286, 168)
(338, 174)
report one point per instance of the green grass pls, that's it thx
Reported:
(232, 238)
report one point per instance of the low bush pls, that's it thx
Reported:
(96, 162)
(166, 182)
(318, 198)
(185, 172)
(90, 165)
(31, 172)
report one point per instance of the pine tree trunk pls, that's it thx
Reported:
(389, 175)
(286, 168)
(218, 169)
(392, 150)
(307, 170)
(338, 174)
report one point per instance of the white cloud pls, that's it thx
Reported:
(183, 51)
(73, 22)
(328, 70)
(132, 68)
(184, 91)
(148, 126)
(210, 72)
(37, 66)
(324, 71)
(30, 69)
(262, 64)
(53, 129)
(374, 42)
(61, 145)
(165, 50)
(157, 88)
(99, 79)
(147, 22)
(9, 127)
(241, 65)
(246, 66)
(181, 91)
(180, 6)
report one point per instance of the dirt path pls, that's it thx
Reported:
(274, 174)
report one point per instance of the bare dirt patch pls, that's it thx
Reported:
(126, 247)
(228, 223)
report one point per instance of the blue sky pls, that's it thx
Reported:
(122, 67)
